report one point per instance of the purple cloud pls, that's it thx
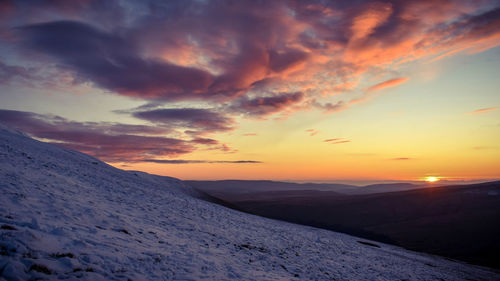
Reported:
(198, 120)
(234, 51)
(261, 106)
(113, 142)
(113, 63)
(280, 61)
(9, 73)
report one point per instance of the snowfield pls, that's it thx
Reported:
(66, 215)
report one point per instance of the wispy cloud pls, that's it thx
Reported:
(401, 159)
(484, 110)
(312, 132)
(339, 142)
(387, 84)
(372, 91)
(336, 140)
(198, 120)
(332, 140)
(266, 105)
(180, 161)
(329, 107)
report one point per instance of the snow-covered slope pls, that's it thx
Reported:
(66, 215)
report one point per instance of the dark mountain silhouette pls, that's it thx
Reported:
(460, 221)
(238, 189)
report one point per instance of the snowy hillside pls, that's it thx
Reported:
(66, 215)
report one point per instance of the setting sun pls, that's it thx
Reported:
(431, 179)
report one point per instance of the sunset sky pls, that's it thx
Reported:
(284, 90)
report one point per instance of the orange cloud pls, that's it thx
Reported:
(387, 84)
(365, 23)
(336, 140)
(312, 132)
(484, 110)
(332, 140)
(339, 142)
(369, 92)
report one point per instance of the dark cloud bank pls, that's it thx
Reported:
(113, 142)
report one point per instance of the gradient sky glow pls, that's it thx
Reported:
(286, 90)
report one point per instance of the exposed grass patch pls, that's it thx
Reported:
(7, 227)
(63, 255)
(40, 268)
(251, 247)
(124, 231)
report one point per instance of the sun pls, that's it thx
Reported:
(431, 179)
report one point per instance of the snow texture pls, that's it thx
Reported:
(66, 215)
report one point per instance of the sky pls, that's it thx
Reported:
(283, 90)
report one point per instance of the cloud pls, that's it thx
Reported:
(281, 61)
(339, 142)
(180, 161)
(9, 73)
(387, 84)
(206, 51)
(225, 148)
(111, 62)
(262, 106)
(198, 120)
(368, 94)
(371, 17)
(484, 110)
(312, 132)
(475, 33)
(332, 140)
(112, 142)
(330, 107)
(401, 159)
(336, 141)
(205, 141)
(250, 135)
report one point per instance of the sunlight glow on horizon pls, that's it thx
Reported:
(432, 179)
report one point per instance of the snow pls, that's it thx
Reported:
(66, 215)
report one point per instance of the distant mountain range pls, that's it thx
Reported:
(241, 187)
